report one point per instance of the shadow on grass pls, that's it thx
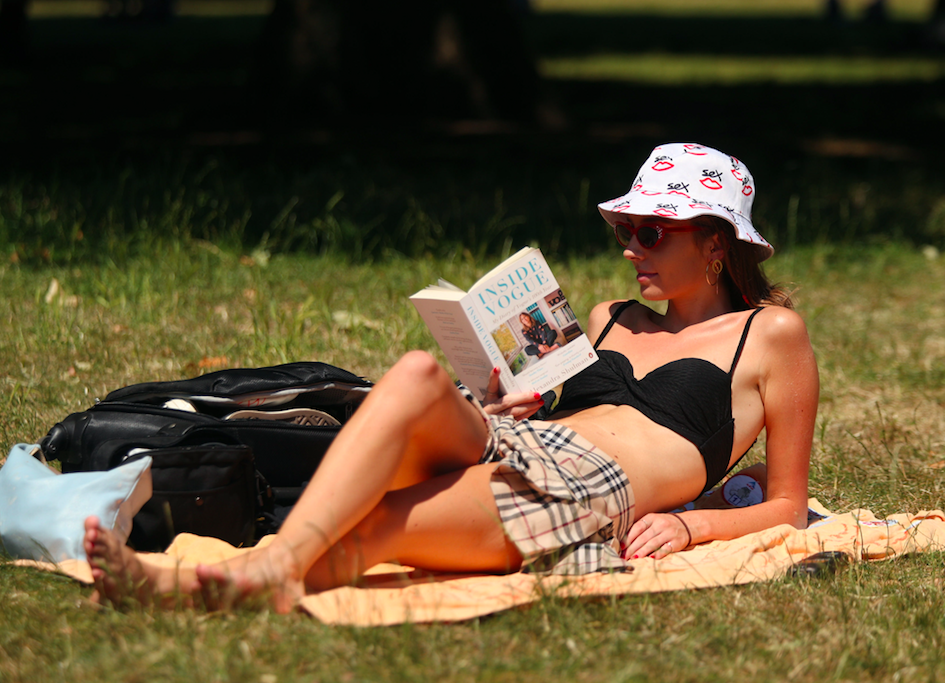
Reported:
(558, 34)
(112, 131)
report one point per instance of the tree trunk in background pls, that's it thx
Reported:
(381, 61)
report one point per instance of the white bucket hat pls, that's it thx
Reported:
(681, 181)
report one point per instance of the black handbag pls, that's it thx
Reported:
(231, 450)
(209, 490)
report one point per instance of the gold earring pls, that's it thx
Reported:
(716, 267)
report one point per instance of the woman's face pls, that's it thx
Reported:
(526, 320)
(674, 267)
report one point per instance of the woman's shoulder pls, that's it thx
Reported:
(780, 325)
(605, 310)
(786, 362)
(608, 309)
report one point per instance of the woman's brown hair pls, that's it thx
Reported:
(746, 282)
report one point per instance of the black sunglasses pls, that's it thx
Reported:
(649, 236)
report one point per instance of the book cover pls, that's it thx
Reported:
(515, 318)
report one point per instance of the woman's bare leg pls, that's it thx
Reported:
(414, 425)
(449, 523)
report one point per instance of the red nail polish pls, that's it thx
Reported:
(537, 396)
(635, 557)
(495, 371)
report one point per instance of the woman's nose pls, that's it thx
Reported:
(633, 251)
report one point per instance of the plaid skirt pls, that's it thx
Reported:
(564, 503)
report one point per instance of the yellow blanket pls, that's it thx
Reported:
(394, 594)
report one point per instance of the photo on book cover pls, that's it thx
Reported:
(542, 328)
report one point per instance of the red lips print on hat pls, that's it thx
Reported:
(684, 180)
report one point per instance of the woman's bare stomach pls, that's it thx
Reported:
(665, 470)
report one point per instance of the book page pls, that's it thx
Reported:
(462, 345)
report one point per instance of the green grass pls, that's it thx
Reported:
(881, 427)
(422, 202)
(144, 318)
(871, 623)
(675, 70)
(139, 172)
(45, 9)
(899, 9)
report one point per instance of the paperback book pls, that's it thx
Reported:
(515, 318)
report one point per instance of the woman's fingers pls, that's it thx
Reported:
(656, 536)
(642, 539)
(492, 388)
(519, 406)
(528, 407)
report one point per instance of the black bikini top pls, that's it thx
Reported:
(690, 396)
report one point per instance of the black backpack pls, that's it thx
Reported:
(231, 450)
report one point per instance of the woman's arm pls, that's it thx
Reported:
(790, 391)
(789, 387)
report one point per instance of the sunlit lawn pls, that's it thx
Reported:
(876, 322)
(177, 255)
(673, 70)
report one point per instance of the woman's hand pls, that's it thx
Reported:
(519, 406)
(656, 536)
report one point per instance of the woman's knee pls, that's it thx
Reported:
(414, 388)
(419, 373)
(417, 361)
(419, 364)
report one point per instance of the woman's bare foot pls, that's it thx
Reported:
(120, 577)
(265, 575)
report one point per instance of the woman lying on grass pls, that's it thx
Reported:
(425, 475)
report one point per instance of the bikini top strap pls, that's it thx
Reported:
(613, 319)
(741, 342)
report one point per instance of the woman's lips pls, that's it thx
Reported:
(642, 275)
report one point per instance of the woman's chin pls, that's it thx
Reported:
(652, 294)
